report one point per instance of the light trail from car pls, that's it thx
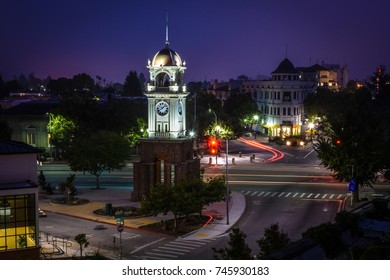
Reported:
(277, 155)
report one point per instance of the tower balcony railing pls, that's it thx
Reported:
(162, 135)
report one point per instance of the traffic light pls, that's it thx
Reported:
(214, 146)
(338, 141)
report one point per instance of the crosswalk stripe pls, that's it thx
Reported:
(184, 245)
(260, 193)
(290, 194)
(189, 242)
(151, 258)
(167, 251)
(173, 248)
(163, 255)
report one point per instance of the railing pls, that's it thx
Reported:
(162, 135)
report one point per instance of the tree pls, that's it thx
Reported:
(204, 117)
(98, 152)
(132, 85)
(82, 240)
(83, 82)
(274, 239)
(5, 130)
(237, 249)
(350, 136)
(183, 198)
(379, 82)
(61, 130)
(237, 108)
(329, 237)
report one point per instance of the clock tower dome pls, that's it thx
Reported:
(166, 155)
(166, 93)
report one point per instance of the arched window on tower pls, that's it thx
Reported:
(163, 79)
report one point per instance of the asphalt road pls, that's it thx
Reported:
(295, 192)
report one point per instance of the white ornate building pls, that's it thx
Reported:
(281, 100)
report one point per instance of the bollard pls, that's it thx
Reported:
(253, 156)
(239, 154)
(210, 161)
(233, 161)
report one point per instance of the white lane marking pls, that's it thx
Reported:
(146, 245)
(168, 251)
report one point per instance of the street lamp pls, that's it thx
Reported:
(215, 115)
(311, 126)
(255, 118)
(227, 181)
(217, 128)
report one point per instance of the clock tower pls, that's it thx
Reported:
(166, 155)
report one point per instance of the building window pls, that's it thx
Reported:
(31, 138)
(286, 96)
(284, 111)
(289, 111)
(17, 222)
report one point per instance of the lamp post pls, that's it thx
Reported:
(311, 126)
(255, 118)
(217, 127)
(227, 181)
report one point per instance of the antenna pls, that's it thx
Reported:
(166, 31)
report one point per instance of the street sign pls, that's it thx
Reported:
(352, 185)
(120, 228)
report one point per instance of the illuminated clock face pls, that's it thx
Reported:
(162, 108)
(180, 108)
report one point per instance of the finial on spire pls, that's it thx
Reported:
(166, 31)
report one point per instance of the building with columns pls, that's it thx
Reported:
(166, 155)
(281, 100)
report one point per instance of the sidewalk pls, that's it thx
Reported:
(121, 197)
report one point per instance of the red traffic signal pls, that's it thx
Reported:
(213, 146)
(338, 142)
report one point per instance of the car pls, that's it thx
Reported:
(42, 213)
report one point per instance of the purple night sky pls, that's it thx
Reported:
(218, 39)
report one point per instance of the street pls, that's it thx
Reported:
(294, 192)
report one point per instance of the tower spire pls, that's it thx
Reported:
(166, 31)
